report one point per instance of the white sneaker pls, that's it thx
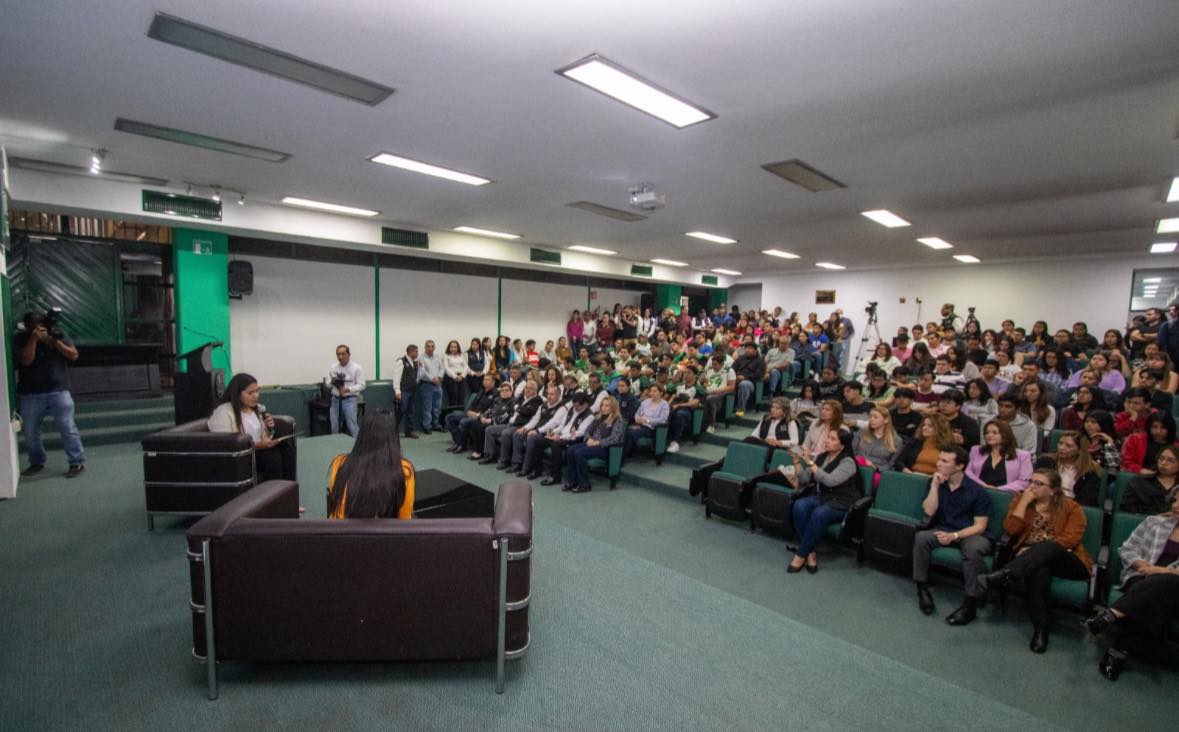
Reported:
(673, 447)
(711, 429)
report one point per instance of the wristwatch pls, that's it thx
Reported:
(955, 536)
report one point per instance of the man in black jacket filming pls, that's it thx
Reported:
(43, 353)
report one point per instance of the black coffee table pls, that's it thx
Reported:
(442, 495)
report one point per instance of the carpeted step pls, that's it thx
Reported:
(693, 456)
(669, 478)
(91, 420)
(119, 405)
(105, 435)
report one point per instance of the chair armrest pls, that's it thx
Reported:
(513, 511)
(707, 469)
(660, 445)
(197, 442)
(614, 464)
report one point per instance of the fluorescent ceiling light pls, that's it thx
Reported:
(486, 232)
(333, 207)
(779, 253)
(1173, 194)
(45, 166)
(1162, 247)
(591, 250)
(1151, 280)
(885, 218)
(934, 242)
(614, 81)
(196, 139)
(967, 258)
(729, 272)
(1167, 226)
(710, 237)
(613, 213)
(416, 166)
(670, 262)
(243, 52)
(829, 265)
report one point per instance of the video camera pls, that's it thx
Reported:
(50, 321)
(871, 309)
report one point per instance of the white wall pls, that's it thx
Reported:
(746, 297)
(421, 306)
(288, 330)
(539, 310)
(1060, 292)
(608, 296)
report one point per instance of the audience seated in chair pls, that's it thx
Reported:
(607, 430)
(1155, 491)
(274, 458)
(826, 487)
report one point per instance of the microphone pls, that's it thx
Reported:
(262, 413)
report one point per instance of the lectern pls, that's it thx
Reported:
(200, 386)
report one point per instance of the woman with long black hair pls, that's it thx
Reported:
(274, 458)
(502, 355)
(374, 480)
(477, 366)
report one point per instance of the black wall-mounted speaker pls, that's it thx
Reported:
(241, 278)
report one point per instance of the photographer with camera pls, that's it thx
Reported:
(43, 354)
(347, 381)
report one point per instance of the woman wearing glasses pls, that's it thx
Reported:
(1046, 528)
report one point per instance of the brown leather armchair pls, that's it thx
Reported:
(190, 471)
(267, 586)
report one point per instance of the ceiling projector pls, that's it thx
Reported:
(644, 198)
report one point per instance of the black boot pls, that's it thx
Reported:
(964, 614)
(1112, 663)
(924, 598)
(1039, 642)
(1099, 622)
(997, 581)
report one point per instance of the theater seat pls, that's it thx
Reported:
(658, 443)
(729, 482)
(948, 557)
(611, 466)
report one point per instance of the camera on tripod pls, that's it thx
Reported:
(871, 309)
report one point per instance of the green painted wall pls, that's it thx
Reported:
(668, 296)
(201, 264)
(717, 296)
(9, 322)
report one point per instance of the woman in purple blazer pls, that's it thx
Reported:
(997, 463)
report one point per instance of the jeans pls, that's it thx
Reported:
(681, 424)
(409, 404)
(776, 377)
(811, 519)
(59, 404)
(454, 422)
(745, 389)
(534, 447)
(577, 462)
(973, 549)
(430, 395)
(346, 407)
(634, 433)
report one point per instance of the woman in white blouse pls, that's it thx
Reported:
(274, 457)
(454, 373)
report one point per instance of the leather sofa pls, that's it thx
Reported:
(190, 471)
(267, 586)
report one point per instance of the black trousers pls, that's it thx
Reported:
(1150, 603)
(454, 390)
(557, 455)
(1036, 567)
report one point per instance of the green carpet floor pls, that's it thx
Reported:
(644, 616)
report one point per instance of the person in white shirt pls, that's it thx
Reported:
(430, 371)
(578, 418)
(346, 379)
(455, 372)
(589, 336)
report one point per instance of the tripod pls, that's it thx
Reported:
(870, 328)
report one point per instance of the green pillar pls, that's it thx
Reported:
(668, 296)
(377, 318)
(717, 296)
(201, 263)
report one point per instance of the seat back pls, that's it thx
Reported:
(744, 459)
(1054, 439)
(778, 459)
(1094, 526)
(1000, 502)
(1123, 525)
(868, 479)
(1118, 488)
(378, 395)
(1175, 406)
(902, 493)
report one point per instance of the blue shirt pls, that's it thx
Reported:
(956, 510)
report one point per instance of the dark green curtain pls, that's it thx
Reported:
(82, 278)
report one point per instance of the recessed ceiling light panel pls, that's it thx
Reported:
(196, 139)
(607, 77)
(885, 218)
(332, 207)
(934, 242)
(779, 253)
(1152, 280)
(729, 272)
(715, 239)
(613, 213)
(592, 250)
(220, 45)
(804, 176)
(1163, 247)
(486, 232)
(1167, 226)
(829, 265)
(416, 166)
(967, 258)
(1173, 194)
(670, 262)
